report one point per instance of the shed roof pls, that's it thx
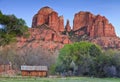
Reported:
(34, 68)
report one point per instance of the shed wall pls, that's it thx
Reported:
(34, 73)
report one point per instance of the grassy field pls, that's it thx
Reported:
(69, 79)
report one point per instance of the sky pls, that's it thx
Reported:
(26, 9)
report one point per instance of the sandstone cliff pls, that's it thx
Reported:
(44, 37)
(96, 26)
(48, 31)
(48, 16)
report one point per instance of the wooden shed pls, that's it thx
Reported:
(40, 71)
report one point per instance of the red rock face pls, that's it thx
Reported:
(67, 27)
(45, 37)
(49, 17)
(46, 31)
(96, 26)
(42, 16)
(53, 21)
(50, 32)
(61, 24)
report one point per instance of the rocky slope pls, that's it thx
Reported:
(48, 31)
(44, 37)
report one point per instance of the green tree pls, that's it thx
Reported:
(11, 27)
(82, 54)
(107, 64)
(95, 50)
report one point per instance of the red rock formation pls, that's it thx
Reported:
(47, 16)
(42, 16)
(53, 21)
(61, 24)
(67, 27)
(96, 26)
(66, 41)
(45, 37)
(49, 34)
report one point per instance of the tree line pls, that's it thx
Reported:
(87, 59)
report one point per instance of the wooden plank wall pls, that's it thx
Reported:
(4, 68)
(34, 73)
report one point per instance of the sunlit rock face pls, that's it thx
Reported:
(48, 16)
(96, 26)
(48, 31)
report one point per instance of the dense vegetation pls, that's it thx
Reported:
(10, 27)
(85, 58)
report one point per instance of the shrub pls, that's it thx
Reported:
(52, 69)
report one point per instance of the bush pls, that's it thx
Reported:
(110, 71)
(52, 69)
